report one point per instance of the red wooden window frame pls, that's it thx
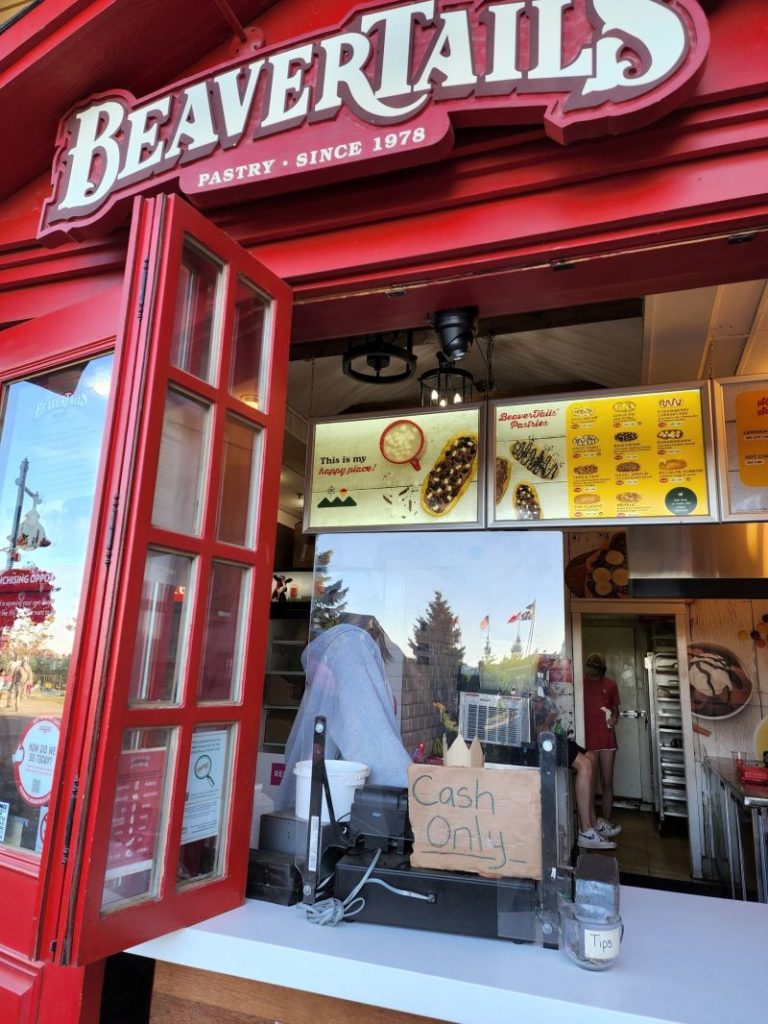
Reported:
(74, 928)
(79, 332)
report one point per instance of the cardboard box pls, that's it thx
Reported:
(480, 820)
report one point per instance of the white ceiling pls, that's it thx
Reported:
(682, 336)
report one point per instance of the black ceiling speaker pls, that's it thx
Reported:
(456, 330)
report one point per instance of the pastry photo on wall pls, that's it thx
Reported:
(601, 572)
(720, 686)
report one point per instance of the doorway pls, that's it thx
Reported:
(623, 641)
(656, 801)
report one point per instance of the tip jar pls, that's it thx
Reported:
(590, 936)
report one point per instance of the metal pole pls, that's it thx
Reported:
(22, 486)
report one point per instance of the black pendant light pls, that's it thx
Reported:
(378, 360)
(446, 384)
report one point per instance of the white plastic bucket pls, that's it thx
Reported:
(344, 777)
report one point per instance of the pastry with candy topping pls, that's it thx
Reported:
(450, 476)
(526, 502)
(503, 475)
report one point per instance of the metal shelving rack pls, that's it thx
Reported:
(671, 797)
(284, 676)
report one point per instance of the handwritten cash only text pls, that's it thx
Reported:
(479, 820)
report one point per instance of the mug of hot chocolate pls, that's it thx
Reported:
(402, 441)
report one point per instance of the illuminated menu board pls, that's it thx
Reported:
(742, 404)
(410, 471)
(631, 456)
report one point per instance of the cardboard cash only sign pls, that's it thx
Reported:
(479, 820)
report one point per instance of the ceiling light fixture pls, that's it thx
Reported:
(446, 384)
(377, 355)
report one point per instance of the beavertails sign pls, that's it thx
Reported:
(379, 92)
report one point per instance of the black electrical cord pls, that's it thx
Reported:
(332, 910)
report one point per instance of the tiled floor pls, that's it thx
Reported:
(645, 850)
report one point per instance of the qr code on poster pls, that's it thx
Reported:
(4, 808)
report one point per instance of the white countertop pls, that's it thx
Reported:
(684, 959)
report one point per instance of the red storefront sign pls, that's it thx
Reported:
(382, 92)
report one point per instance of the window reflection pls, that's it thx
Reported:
(192, 347)
(222, 643)
(251, 310)
(52, 429)
(179, 485)
(160, 646)
(459, 612)
(236, 497)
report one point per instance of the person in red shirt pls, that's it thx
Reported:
(601, 713)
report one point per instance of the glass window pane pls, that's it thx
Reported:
(192, 347)
(236, 498)
(160, 648)
(52, 430)
(435, 640)
(222, 644)
(179, 487)
(139, 816)
(206, 805)
(251, 309)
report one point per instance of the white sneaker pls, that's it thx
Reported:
(606, 829)
(592, 840)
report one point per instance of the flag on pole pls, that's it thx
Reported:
(525, 615)
(485, 623)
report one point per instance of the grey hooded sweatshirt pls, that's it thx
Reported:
(347, 683)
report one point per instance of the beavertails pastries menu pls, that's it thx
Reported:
(634, 456)
(411, 470)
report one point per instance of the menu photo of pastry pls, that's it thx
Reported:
(503, 476)
(531, 482)
(443, 456)
(450, 475)
(402, 471)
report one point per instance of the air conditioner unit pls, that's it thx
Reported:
(495, 718)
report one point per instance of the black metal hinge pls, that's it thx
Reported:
(111, 529)
(70, 819)
(143, 289)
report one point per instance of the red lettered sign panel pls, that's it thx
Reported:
(379, 92)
